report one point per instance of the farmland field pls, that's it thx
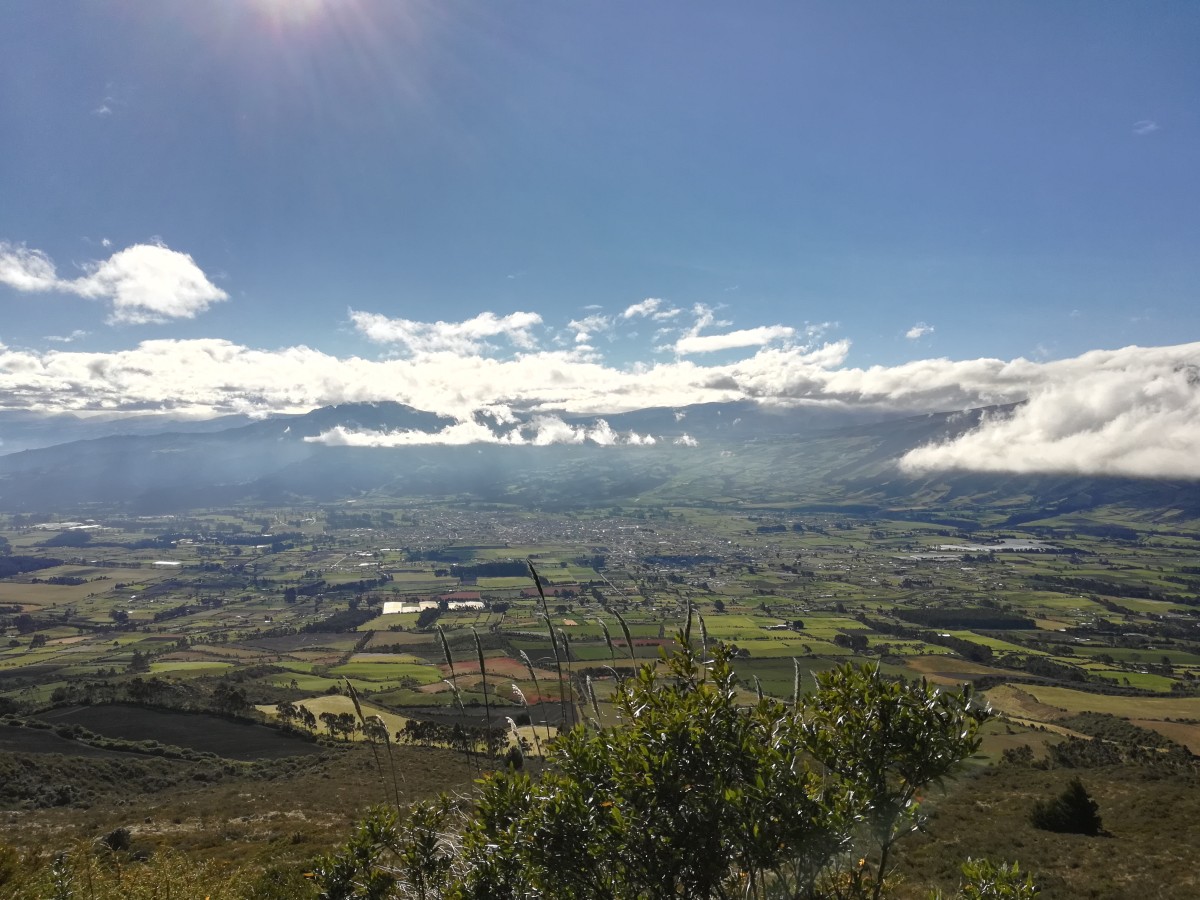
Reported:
(196, 731)
(204, 655)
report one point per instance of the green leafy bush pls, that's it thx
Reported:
(985, 880)
(692, 795)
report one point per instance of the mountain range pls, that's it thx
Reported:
(811, 457)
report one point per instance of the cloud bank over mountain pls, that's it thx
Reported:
(1131, 411)
(543, 431)
(1124, 414)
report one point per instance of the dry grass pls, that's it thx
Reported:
(275, 816)
(88, 870)
(1149, 851)
(338, 703)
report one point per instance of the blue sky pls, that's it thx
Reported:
(882, 183)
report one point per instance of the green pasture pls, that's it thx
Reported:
(502, 583)
(827, 627)
(466, 618)
(1126, 707)
(733, 627)
(305, 682)
(303, 668)
(777, 676)
(903, 647)
(761, 649)
(1143, 655)
(403, 696)
(190, 667)
(1153, 607)
(994, 643)
(584, 627)
(388, 671)
(423, 644)
(1146, 681)
(390, 621)
(600, 651)
(1030, 601)
(427, 582)
(39, 693)
(388, 657)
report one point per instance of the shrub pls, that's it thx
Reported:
(1071, 812)
(985, 880)
(691, 795)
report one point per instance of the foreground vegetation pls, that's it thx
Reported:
(690, 795)
(225, 674)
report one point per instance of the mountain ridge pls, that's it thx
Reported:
(709, 453)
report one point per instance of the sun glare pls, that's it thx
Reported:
(290, 12)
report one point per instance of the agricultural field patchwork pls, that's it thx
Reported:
(269, 645)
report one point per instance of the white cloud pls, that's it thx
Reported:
(546, 430)
(814, 330)
(686, 440)
(149, 283)
(25, 269)
(1145, 126)
(553, 430)
(692, 341)
(1131, 413)
(464, 337)
(458, 434)
(918, 331)
(645, 308)
(144, 283)
(589, 326)
(1132, 410)
(67, 338)
(746, 337)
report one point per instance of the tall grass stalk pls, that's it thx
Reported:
(566, 653)
(758, 688)
(591, 692)
(795, 684)
(468, 748)
(515, 734)
(703, 638)
(520, 695)
(381, 730)
(537, 687)
(367, 731)
(562, 691)
(487, 703)
(687, 628)
(628, 637)
(612, 651)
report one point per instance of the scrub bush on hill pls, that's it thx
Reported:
(1071, 812)
(691, 795)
